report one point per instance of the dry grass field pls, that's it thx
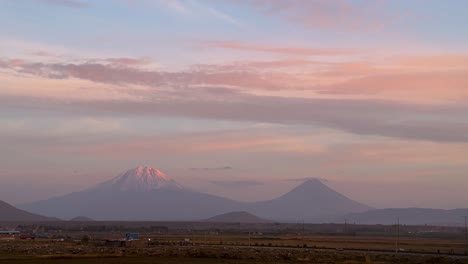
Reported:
(231, 243)
(234, 249)
(409, 244)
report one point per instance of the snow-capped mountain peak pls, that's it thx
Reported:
(141, 178)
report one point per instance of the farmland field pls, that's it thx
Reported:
(234, 249)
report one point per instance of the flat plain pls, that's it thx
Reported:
(234, 248)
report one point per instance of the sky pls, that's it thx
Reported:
(243, 99)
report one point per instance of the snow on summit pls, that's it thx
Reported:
(141, 178)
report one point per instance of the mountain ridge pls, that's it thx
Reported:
(237, 217)
(145, 193)
(10, 213)
(409, 216)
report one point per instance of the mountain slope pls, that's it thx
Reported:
(82, 219)
(409, 216)
(11, 213)
(237, 217)
(312, 201)
(142, 193)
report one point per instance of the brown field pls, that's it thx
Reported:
(410, 244)
(233, 248)
(228, 255)
(183, 242)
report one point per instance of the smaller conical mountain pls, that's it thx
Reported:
(237, 217)
(311, 201)
(11, 213)
(141, 179)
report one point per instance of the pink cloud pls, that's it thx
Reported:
(440, 61)
(277, 49)
(260, 65)
(41, 53)
(420, 79)
(423, 87)
(126, 61)
(111, 74)
(343, 15)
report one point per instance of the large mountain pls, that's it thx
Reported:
(142, 193)
(145, 193)
(11, 213)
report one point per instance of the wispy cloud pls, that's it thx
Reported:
(231, 92)
(341, 15)
(307, 179)
(237, 184)
(399, 79)
(225, 168)
(362, 117)
(235, 45)
(66, 3)
(173, 5)
(223, 16)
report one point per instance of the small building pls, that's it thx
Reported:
(9, 232)
(132, 236)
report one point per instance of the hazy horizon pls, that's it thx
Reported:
(241, 99)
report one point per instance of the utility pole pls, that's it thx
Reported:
(466, 235)
(303, 231)
(397, 242)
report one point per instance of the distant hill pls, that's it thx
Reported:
(82, 219)
(11, 213)
(237, 217)
(409, 216)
